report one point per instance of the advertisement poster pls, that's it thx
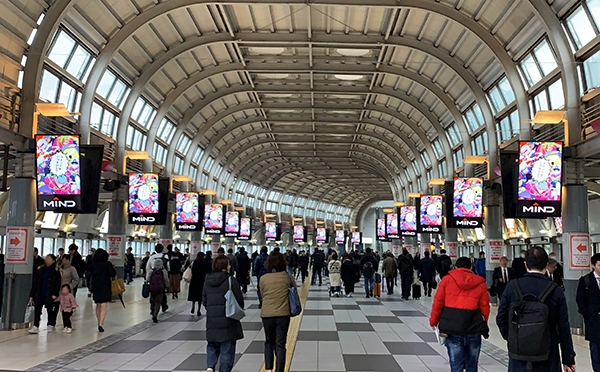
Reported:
(213, 219)
(579, 247)
(396, 250)
(381, 236)
(58, 173)
(431, 213)
(113, 244)
(321, 235)
(195, 247)
(298, 234)
(271, 231)
(356, 235)
(452, 249)
(340, 237)
(16, 244)
(232, 224)
(495, 250)
(408, 220)
(467, 203)
(187, 211)
(391, 226)
(143, 203)
(245, 229)
(215, 247)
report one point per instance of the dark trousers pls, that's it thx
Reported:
(276, 330)
(223, 352)
(241, 278)
(88, 281)
(156, 298)
(128, 274)
(406, 280)
(304, 272)
(349, 287)
(163, 303)
(595, 354)
(317, 271)
(66, 315)
(390, 285)
(51, 308)
(427, 287)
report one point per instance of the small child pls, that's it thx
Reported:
(67, 305)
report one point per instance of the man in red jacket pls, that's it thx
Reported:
(461, 308)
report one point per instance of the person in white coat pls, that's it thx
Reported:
(335, 275)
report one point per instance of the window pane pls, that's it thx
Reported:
(117, 93)
(545, 57)
(78, 63)
(541, 101)
(591, 69)
(96, 116)
(49, 87)
(514, 122)
(108, 123)
(580, 27)
(61, 50)
(506, 90)
(557, 98)
(106, 83)
(496, 99)
(594, 8)
(67, 96)
(532, 74)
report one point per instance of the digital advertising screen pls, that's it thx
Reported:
(431, 213)
(187, 211)
(214, 220)
(340, 236)
(271, 231)
(232, 224)
(408, 220)
(245, 229)
(299, 234)
(467, 202)
(356, 237)
(58, 173)
(321, 235)
(391, 226)
(539, 181)
(144, 199)
(381, 236)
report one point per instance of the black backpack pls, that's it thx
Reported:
(529, 326)
(368, 270)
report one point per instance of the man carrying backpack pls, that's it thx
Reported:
(368, 265)
(534, 319)
(158, 280)
(443, 264)
(588, 302)
(159, 255)
(405, 265)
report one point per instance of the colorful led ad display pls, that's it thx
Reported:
(467, 202)
(299, 234)
(144, 203)
(340, 236)
(232, 224)
(391, 226)
(539, 181)
(408, 220)
(213, 219)
(187, 211)
(271, 231)
(381, 236)
(321, 235)
(356, 237)
(431, 213)
(245, 229)
(58, 173)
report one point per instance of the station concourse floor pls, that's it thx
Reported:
(335, 334)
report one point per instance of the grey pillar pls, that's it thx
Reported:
(117, 221)
(451, 242)
(215, 243)
(575, 226)
(397, 243)
(425, 243)
(19, 262)
(229, 243)
(410, 243)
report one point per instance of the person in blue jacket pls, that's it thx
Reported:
(480, 265)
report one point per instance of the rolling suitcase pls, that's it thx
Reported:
(377, 290)
(416, 291)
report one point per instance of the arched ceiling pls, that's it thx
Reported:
(325, 99)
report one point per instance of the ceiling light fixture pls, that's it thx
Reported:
(352, 52)
(277, 95)
(399, 204)
(179, 178)
(476, 160)
(267, 50)
(227, 201)
(348, 77)
(209, 192)
(437, 181)
(388, 210)
(414, 195)
(274, 76)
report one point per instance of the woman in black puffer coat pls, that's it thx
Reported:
(222, 333)
(44, 292)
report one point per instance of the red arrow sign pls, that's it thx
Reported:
(14, 241)
(581, 248)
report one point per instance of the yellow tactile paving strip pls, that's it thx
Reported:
(294, 329)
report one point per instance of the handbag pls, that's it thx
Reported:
(233, 310)
(146, 290)
(187, 274)
(29, 313)
(117, 286)
(294, 298)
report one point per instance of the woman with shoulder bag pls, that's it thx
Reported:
(102, 273)
(275, 311)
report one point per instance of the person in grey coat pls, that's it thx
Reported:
(157, 287)
(222, 333)
(68, 274)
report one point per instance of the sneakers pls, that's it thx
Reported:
(65, 330)
(210, 370)
(68, 330)
(34, 330)
(50, 329)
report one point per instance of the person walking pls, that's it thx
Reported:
(129, 266)
(89, 264)
(588, 304)
(260, 270)
(44, 291)
(243, 271)
(368, 267)
(427, 274)
(405, 265)
(518, 265)
(67, 307)
(222, 332)
(544, 337)
(158, 279)
(233, 260)
(79, 265)
(389, 268)
(175, 268)
(68, 274)
(275, 312)
(102, 273)
(552, 275)
(159, 254)
(501, 276)
(479, 268)
(199, 271)
(443, 263)
(144, 264)
(317, 261)
(292, 262)
(460, 311)
(335, 275)
(303, 262)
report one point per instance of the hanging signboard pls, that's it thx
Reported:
(495, 250)
(452, 249)
(114, 243)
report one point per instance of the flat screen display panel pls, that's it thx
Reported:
(144, 201)
(232, 224)
(340, 236)
(408, 220)
(213, 219)
(299, 235)
(245, 228)
(431, 213)
(321, 235)
(58, 173)
(356, 237)
(539, 182)
(271, 231)
(391, 226)
(187, 211)
(381, 229)
(467, 202)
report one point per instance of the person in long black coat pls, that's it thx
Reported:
(44, 291)
(427, 274)
(588, 305)
(243, 271)
(199, 271)
(350, 275)
(102, 273)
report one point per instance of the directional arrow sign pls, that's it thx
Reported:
(14, 241)
(579, 248)
(16, 247)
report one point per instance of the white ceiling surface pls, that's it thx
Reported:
(336, 131)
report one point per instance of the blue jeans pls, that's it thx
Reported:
(128, 274)
(463, 352)
(595, 354)
(369, 283)
(226, 350)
